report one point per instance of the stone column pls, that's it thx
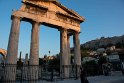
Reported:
(64, 54)
(77, 53)
(34, 52)
(69, 56)
(12, 50)
(68, 44)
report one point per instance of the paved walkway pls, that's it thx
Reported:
(115, 77)
(96, 79)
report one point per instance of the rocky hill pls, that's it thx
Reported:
(104, 42)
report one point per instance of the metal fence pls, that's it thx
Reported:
(25, 73)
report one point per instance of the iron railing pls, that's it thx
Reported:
(25, 73)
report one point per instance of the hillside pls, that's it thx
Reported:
(105, 42)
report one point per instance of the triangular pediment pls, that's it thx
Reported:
(54, 6)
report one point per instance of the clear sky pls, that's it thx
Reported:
(103, 18)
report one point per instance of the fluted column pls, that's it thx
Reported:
(34, 47)
(69, 56)
(34, 51)
(64, 54)
(77, 52)
(68, 44)
(12, 50)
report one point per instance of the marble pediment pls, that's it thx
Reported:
(52, 6)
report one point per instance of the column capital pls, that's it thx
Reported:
(63, 29)
(75, 32)
(13, 17)
(35, 22)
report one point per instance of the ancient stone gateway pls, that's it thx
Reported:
(50, 13)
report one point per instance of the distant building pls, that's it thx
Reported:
(113, 57)
(112, 48)
(101, 50)
(93, 53)
(115, 61)
(49, 58)
(87, 59)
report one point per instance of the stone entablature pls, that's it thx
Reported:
(52, 13)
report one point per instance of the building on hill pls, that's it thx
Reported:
(87, 59)
(111, 48)
(101, 50)
(114, 59)
(47, 58)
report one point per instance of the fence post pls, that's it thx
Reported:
(52, 75)
(76, 73)
(21, 73)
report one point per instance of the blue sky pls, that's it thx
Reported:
(103, 18)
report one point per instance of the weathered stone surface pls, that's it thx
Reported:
(34, 47)
(50, 12)
(68, 44)
(12, 50)
(77, 57)
(64, 53)
(77, 53)
(34, 52)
